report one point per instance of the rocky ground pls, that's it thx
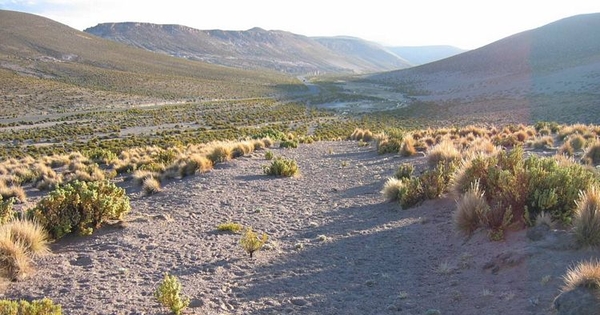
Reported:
(335, 247)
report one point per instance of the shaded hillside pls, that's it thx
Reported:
(552, 73)
(419, 55)
(254, 49)
(48, 66)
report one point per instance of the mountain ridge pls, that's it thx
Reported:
(255, 48)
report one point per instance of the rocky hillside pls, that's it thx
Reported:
(253, 49)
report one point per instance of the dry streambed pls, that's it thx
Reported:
(335, 247)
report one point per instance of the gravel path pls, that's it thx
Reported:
(335, 247)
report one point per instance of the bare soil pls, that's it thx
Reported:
(335, 247)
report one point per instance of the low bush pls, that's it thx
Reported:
(405, 170)
(36, 307)
(288, 144)
(7, 211)
(385, 146)
(269, 155)
(282, 167)
(80, 207)
(251, 242)
(411, 193)
(168, 294)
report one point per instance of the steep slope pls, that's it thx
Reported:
(45, 65)
(552, 72)
(255, 48)
(419, 55)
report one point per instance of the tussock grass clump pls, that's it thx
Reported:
(194, 163)
(470, 209)
(36, 307)
(282, 167)
(140, 176)
(586, 274)
(540, 143)
(408, 146)
(577, 142)
(230, 227)
(444, 152)
(151, 186)
(586, 221)
(15, 264)
(251, 242)
(386, 145)
(362, 135)
(391, 189)
(220, 154)
(592, 154)
(29, 234)
(16, 192)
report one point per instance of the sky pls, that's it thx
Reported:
(466, 24)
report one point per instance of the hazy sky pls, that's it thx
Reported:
(463, 23)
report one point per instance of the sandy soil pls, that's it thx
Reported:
(375, 258)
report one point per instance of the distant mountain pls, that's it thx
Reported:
(48, 66)
(551, 72)
(363, 52)
(418, 55)
(252, 49)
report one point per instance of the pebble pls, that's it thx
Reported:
(299, 301)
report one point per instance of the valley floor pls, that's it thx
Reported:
(335, 247)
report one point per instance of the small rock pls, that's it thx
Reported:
(299, 246)
(578, 301)
(194, 303)
(370, 283)
(299, 301)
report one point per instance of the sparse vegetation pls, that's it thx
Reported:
(81, 207)
(282, 167)
(36, 307)
(230, 227)
(168, 294)
(251, 242)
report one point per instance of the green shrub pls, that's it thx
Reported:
(291, 144)
(251, 242)
(269, 155)
(168, 294)
(6, 210)
(81, 206)
(411, 193)
(389, 146)
(36, 307)
(405, 170)
(99, 155)
(282, 167)
(436, 181)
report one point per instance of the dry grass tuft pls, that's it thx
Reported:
(586, 221)
(16, 192)
(585, 275)
(469, 210)
(391, 189)
(30, 234)
(15, 264)
(220, 154)
(151, 186)
(592, 154)
(444, 152)
(408, 146)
